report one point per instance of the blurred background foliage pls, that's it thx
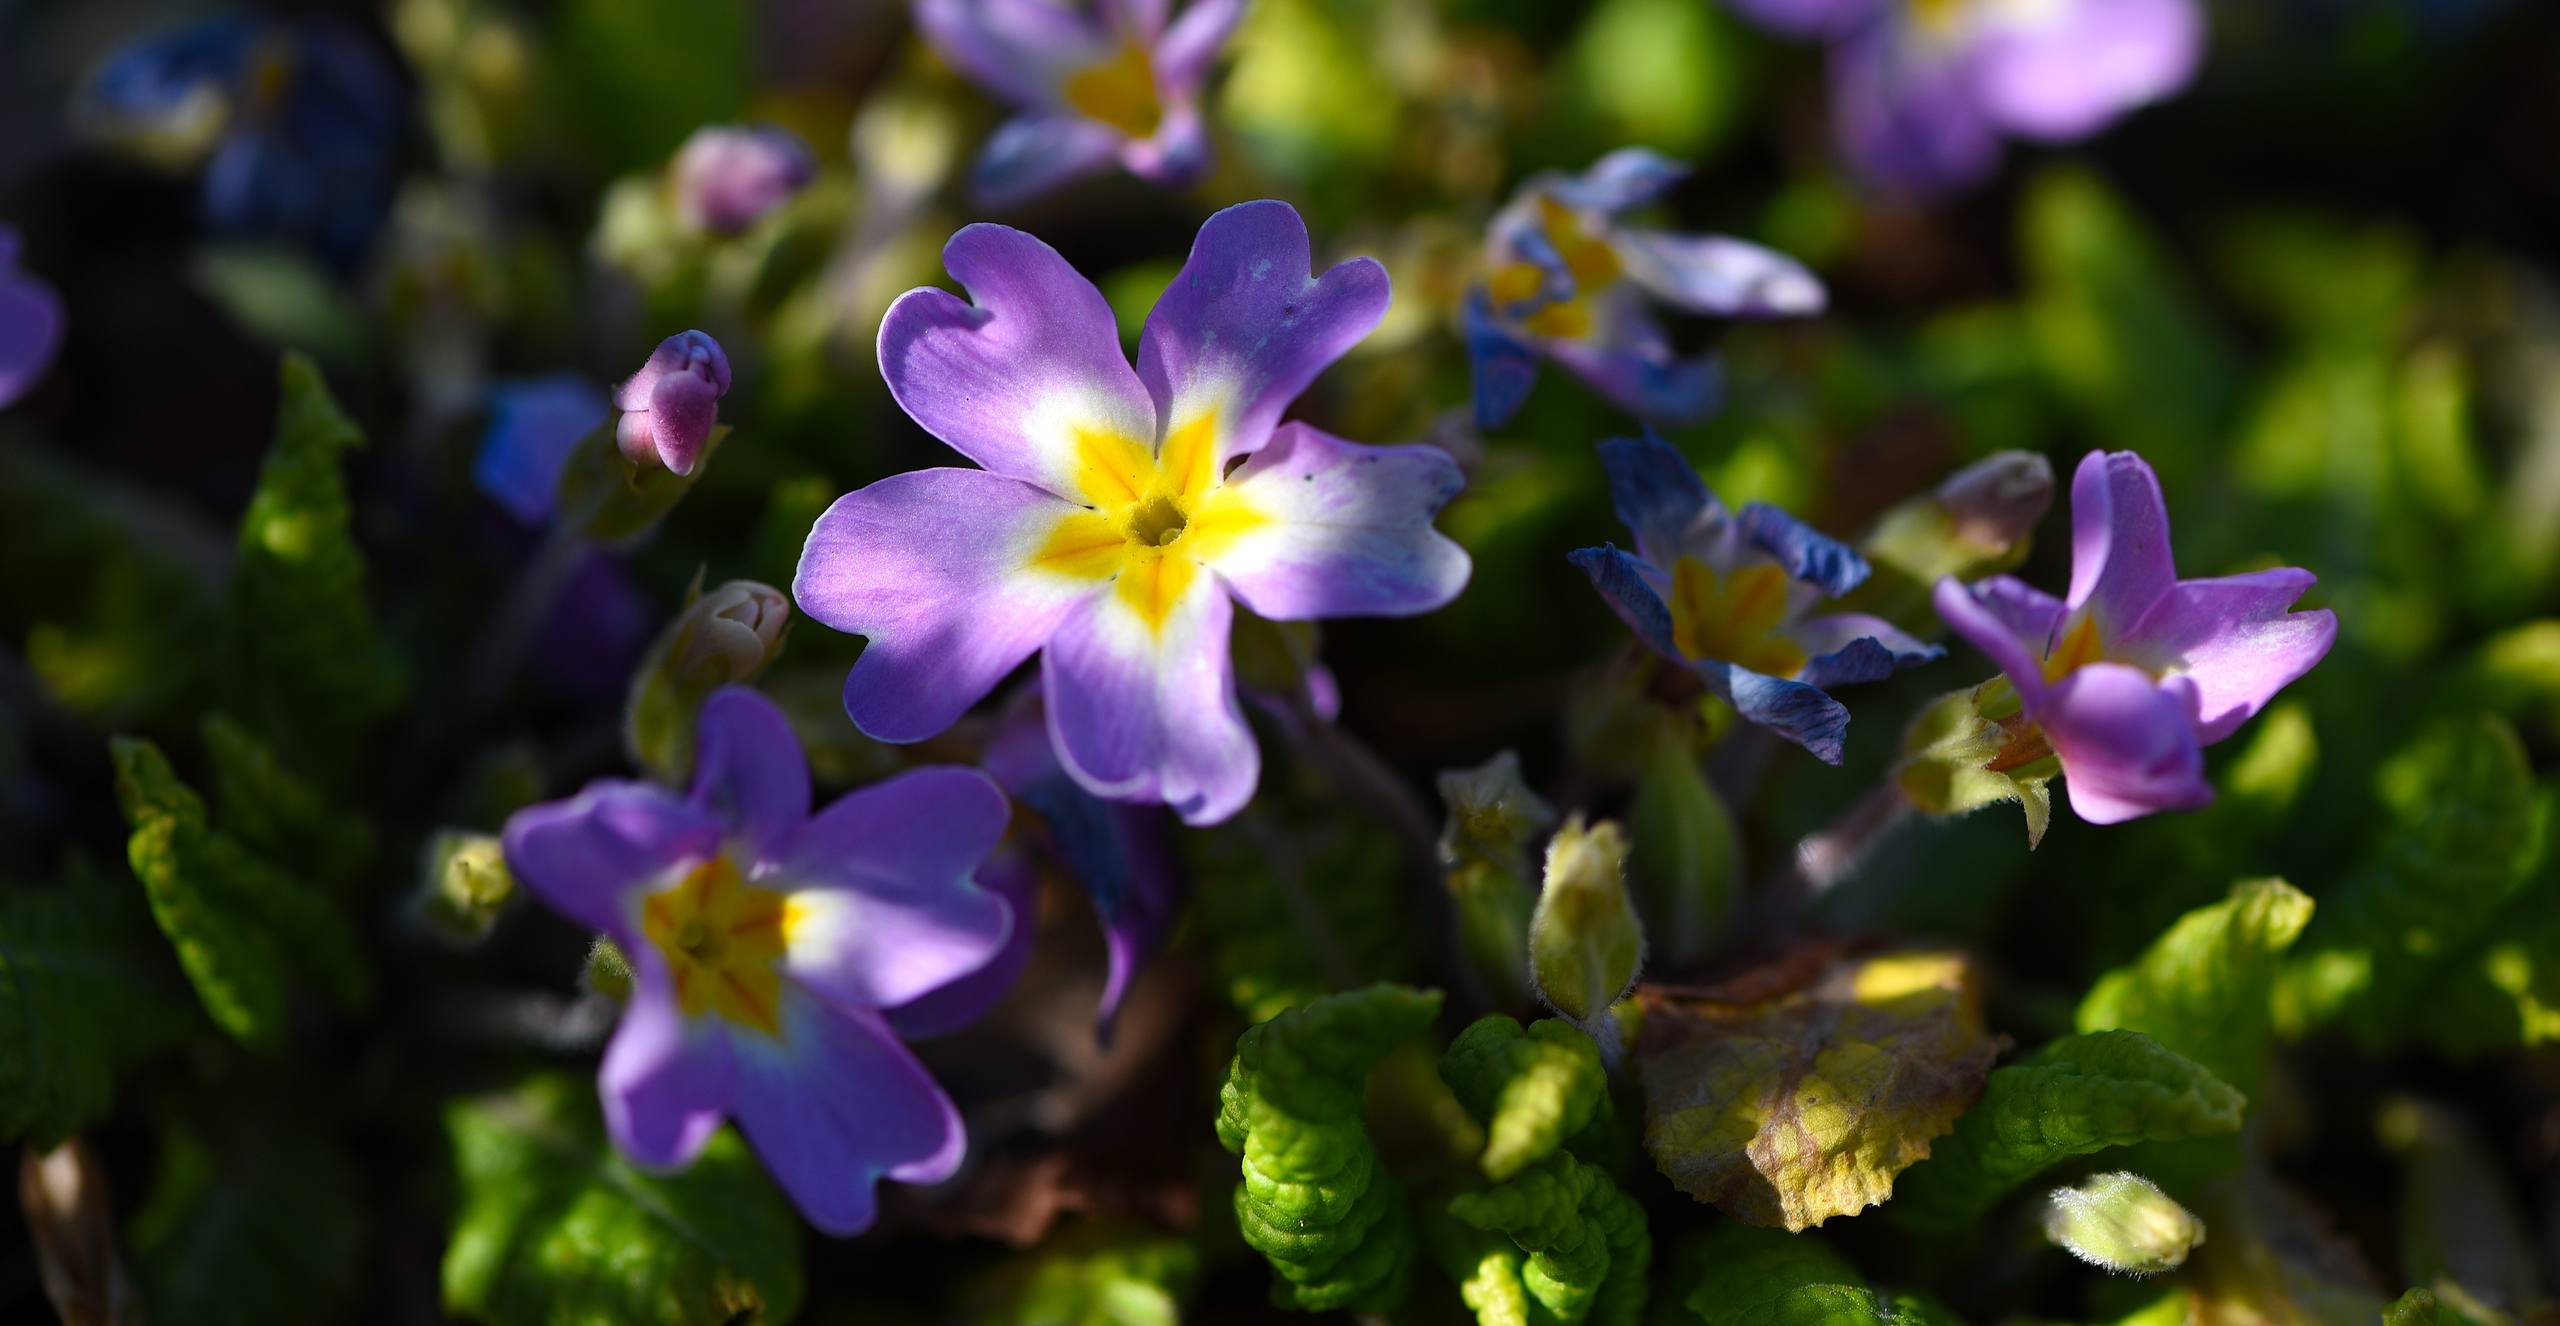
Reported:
(2317, 292)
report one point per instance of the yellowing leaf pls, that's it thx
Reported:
(1797, 1092)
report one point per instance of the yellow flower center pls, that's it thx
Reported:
(1937, 17)
(723, 940)
(1118, 90)
(1151, 517)
(2078, 648)
(1586, 255)
(1733, 617)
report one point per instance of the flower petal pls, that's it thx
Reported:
(924, 828)
(1847, 648)
(2010, 621)
(2128, 743)
(1245, 327)
(1504, 366)
(1019, 49)
(591, 857)
(1627, 177)
(1141, 696)
(2233, 638)
(1632, 364)
(1029, 379)
(1802, 714)
(1657, 494)
(1808, 555)
(2062, 71)
(666, 1080)
(1142, 19)
(883, 910)
(534, 424)
(836, 1105)
(943, 570)
(1906, 118)
(1336, 529)
(1031, 154)
(1191, 45)
(1629, 592)
(1011, 876)
(748, 769)
(2120, 559)
(1718, 276)
(1176, 155)
(30, 324)
(1808, 18)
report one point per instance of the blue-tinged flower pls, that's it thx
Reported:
(2130, 678)
(1732, 597)
(727, 177)
(293, 125)
(1924, 91)
(30, 324)
(534, 424)
(1566, 280)
(1122, 512)
(671, 404)
(768, 947)
(1110, 81)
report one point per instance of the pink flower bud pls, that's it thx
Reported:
(670, 405)
(727, 178)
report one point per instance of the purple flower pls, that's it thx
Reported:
(1120, 510)
(670, 405)
(534, 423)
(1923, 91)
(1565, 280)
(727, 177)
(1117, 82)
(2132, 676)
(30, 324)
(1730, 596)
(766, 945)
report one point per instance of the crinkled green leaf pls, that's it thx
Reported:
(2077, 1096)
(278, 813)
(1097, 1277)
(82, 994)
(306, 665)
(555, 1229)
(1762, 1277)
(242, 928)
(1533, 1090)
(1798, 1092)
(1486, 1267)
(2203, 988)
(2462, 836)
(1587, 1245)
(1305, 905)
(1315, 1199)
(252, 1227)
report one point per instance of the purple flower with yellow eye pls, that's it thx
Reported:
(771, 950)
(1566, 280)
(30, 324)
(1924, 91)
(2126, 681)
(1121, 512)
(1732, 597)
(1112, 81)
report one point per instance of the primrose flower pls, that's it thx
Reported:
(767, 947)
(1564, 279)
(294, 126)
(30, 324)
(670, 405)
(727, 177)
(2128, 679)
(1120, 510)
(1923, 91)
(1730, 597)
(1112, 81)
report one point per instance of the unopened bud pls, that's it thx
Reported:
(1492, 812)
(671, 404)
(466, 886)
(1976, 523)
(1484, 845)
(608, 971)
(727, 177)
(722, 638)
(2123, 1222)
(1996, 502)
(1585, 944)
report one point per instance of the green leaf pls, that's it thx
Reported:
(2077, 1096)
(1316, 1200)
(555, 1229)
(1685, 863)
(2418, 1307)
(1307, 903)
(1531, 1089)
(1797, 1092)
(2462, 832)
(278, 813)
(2203, 989)
(1974, 748)
(1096, 1277)
(81, 997)
(259, 1226)
(1587, 1244)
(1761, 1277)
(2461, 1229)
(306, 666)
(241, 927)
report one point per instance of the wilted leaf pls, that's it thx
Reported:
(555, 1228)
(1797, 1093)
(2076, 1096)
(2203, 989)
